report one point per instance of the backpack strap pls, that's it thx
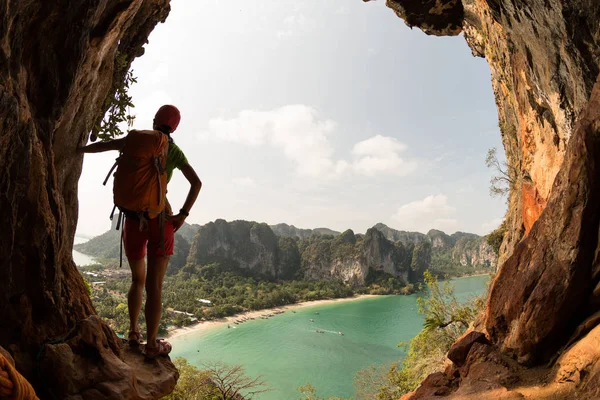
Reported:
(112, 213)
(159, 171)
(111, 171)
(121, 220)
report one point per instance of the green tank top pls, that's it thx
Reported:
(175, 159)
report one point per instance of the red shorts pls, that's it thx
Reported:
(136, 241)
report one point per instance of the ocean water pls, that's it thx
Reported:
(80, 258)
(287, 351)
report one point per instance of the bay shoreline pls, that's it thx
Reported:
(207, 325)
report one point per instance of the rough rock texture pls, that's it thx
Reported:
(579, 366)
(487, 373)
(57, 63)
(544, 59)
(254, 249)
(400, 236)
(434, 17)
(291, 230)
(460, 349)
(466, 249)
(544, 289)
(93, 363)
(243, 245)
(382, 255)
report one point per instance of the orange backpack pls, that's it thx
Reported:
(140, 183)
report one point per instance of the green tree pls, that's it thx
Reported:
(309, 392)
(495, 238)
(118, 104)
(193, 384)
(371, 382)
(446, 319)
(504, 177)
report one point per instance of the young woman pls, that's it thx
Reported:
(136, 241)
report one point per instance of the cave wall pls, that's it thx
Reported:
(544, 59)
(57, 64)
(542, 77)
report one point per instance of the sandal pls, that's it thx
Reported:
(163, 348)
(135, 338)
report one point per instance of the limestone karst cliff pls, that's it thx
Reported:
(254, 249)
(544, 60)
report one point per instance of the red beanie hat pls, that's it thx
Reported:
(167, 116)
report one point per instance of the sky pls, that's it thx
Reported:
(316, 113)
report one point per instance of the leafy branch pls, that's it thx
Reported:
(118, 105)
(505, 176)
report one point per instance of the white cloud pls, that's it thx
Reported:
(381, 154)
(297, 130)
(432, 212)
(304, 138)
(488, 227)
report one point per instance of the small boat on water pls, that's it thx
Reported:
(312, 320)
(341, 333)
(316, 313)
(320, 331)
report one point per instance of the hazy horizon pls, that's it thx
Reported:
(84, 236)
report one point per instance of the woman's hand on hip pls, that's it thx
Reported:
(177, 221)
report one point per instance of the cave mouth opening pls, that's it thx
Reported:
(327, 107)
(542, 85)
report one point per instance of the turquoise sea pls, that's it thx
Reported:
(287, 351)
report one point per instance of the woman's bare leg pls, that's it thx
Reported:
(136, 291)
(157, 267)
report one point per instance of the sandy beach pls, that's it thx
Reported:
(203, 326)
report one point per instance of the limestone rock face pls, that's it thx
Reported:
(474, 251)
(92, 363)
(254, 249)
(434, 17)
(466, 249)
(400, 236)
(243, 245)
(545, 288)
(57, 65)
(544, 60)
(460, 350)
(291, 230)
(351, 260)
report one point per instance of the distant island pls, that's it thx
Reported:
(243, 265)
